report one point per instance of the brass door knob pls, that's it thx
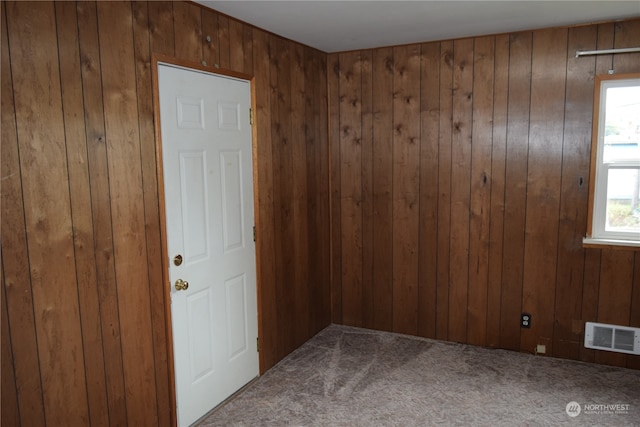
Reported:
(181, 285)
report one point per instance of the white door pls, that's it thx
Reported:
(208, 182)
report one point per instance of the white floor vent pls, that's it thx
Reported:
(621, 339)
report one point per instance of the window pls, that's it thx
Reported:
(614, 207)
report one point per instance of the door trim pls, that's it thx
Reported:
(156, 61)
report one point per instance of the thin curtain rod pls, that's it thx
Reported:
(605, 51)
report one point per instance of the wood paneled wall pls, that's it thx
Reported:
(83, 324)
(459, 185)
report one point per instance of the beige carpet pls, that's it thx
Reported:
(356, 377)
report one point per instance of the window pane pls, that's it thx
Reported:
(623, 191)
(622, 124)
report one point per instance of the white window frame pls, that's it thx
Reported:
(597, 235)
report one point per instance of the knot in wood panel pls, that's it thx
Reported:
(144, 65)
(87, 62)
(447, 56)
(388, 64)
(106, 253)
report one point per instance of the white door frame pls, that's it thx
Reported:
(156, 60)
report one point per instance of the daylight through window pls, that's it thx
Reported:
(614, 217)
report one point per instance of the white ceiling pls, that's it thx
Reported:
(335, 26)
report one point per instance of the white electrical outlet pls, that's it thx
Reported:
(541, 349)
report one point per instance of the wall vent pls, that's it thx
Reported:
(621, 339)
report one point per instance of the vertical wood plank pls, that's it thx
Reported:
(444, 188)
(142, 41)
(16, 291)
(367, 85)
(382, 100)
(590, 292)
(283, 176)
(187, 31)
(498, 168)
(236, 45)
(161, 27)
(211, 44)
(323, 194)
(480, 205)
(247, 48)
(516, 188)
(543, 183)
(335, 167)
(286, 172)
(41, 139)
(300, 285)
(406, 182)
(351, 186)
(460, 187)
(265, 237)
(77, 158)
(11, 188)
(428, 244)
(574, 194)
(606, 35)
(101, 208)
(313, 175)
(224, 45)
(9, 391)
(614, 299)
(125, 181)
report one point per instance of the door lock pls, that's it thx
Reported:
(181, 285)
(177, 260)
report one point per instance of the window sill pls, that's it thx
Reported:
(591, 242)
